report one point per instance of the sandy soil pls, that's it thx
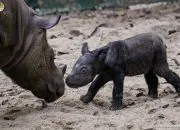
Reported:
(19, 109)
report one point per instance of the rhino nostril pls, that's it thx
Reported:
(50, 88)
(57, 88)
(60, 92)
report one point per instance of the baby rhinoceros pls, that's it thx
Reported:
(141, 54)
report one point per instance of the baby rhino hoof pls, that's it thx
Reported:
(86, 98)
(153, 96)
(116, 107)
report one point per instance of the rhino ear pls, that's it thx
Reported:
(85, 48)
(46, 22)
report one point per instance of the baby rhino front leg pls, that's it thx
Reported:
(118, 80)
(95, 86)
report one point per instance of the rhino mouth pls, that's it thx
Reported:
(53, 92)
(49, 97)
(52, 96)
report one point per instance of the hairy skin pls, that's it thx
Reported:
(141, 54)
(25, 54)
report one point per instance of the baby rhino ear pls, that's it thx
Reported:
(85, 48)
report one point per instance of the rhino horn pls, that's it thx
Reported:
(63, 68)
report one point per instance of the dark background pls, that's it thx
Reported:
(51, 6)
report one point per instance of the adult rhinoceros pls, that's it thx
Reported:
(25, 55)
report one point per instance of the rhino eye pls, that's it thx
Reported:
(83, 70)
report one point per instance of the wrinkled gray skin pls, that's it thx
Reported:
(25, 54)
(141, 54)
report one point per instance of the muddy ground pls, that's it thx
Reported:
(19, 109)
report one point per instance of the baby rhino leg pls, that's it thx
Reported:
(171, 77)
(152, 82)
(118, 79)
(94, 88)
(161, 68)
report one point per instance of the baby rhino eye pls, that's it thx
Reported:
(83, 70)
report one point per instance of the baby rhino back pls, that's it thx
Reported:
(141, 52)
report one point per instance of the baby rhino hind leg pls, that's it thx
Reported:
(161, 68)
(152, 82)
(170, 77)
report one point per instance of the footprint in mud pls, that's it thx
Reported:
(101, 104)
(129, 127)
(9, 118)
(160, 116)
(166, 30)
(152, 111)
(4, 102)
(75, 33)
(141, 92)
(138, 99)
(65, 110)
(173, 122)
(11, 114)
(127, 94)
(1, 94)
(107, 125)
(73, 104)
(168, 90)
(110, 125)
(95, 113)
(13, 111)
(53, 37)
(165, 106)
(97, 125)
(15, 92)
(69, 125)
(130, 102)
(25, 96)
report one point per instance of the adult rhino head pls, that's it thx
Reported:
(25, 55)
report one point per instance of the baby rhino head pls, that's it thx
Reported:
(84, 70)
